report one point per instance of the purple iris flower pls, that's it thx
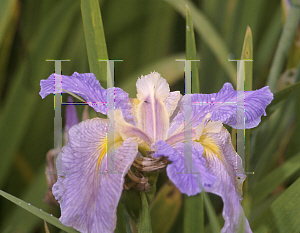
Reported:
(154, 121)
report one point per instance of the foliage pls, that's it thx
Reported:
(148, 36)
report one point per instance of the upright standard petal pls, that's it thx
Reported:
(186, 182)
(224, 106)
(171, 102)
(223, 162)
(127, 130)
(88, 87)
(152, 115)
(89, 196)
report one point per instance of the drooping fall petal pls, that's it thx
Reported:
(223, 162)
(186, 182)
(89, 196)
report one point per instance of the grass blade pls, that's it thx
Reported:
(193, 220)
(279, 97)
(193, 210)
(283, 214)
(94, 37)
(25, 86)
(266, 47)
(247, 54)
(285, 42)
(17, 220)
(165, 208)
(191, 51)
(144, 224)
(263, 188)
(213, 219)
(121, 222)
(6, 11)
(37, 212)
(209, 35)
(284, 93)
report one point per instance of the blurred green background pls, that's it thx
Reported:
(149, 36)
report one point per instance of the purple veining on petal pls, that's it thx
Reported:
(70, 115)
(152, 114)
(230, 176)
(88, 87)
(186, 183)
(222, 106)
(87, 195)
(171, 103)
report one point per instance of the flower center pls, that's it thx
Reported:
(136, 178)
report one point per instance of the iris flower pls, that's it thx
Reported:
(71, 119)
(151, 125)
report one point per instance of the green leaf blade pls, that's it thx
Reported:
(283, 214)
(213, 219)
(264, 187)
(144, 224)
(209, 35)
(283, 47)
(165, 208)
(95, 38)
(191, 51)
(37, 212)
(247, 54)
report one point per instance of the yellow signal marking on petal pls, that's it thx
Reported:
(134, 103)
(105, 145)
(103, 149)
(209, 145)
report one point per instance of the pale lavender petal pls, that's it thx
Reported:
(186, 183)
(70, 115)
(177, 109)
(227, 167)
(71, 118)
(223, 107)
(152, 114)
(88, 87)
(171, 102)
(87, 195)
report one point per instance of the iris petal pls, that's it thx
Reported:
(71, 118)
(87, 195)
(227, 167)
(127, 130)
(186, 183)
(223, 107)
(152, 115)
(89, 88)
(71, 115)
(171, 102)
